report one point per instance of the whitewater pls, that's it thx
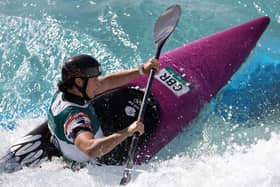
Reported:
(235, 140)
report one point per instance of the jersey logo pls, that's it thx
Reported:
(77, 120)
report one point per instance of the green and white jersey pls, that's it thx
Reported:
(65, 116)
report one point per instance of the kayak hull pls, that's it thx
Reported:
(206, 65)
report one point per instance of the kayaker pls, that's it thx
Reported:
(71, 117)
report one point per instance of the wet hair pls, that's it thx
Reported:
(63, 86)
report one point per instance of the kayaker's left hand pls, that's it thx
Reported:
(152, 64)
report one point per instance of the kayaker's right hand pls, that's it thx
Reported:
(136, 126)
(152, 64)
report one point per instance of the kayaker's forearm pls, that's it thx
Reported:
(101, 146)
(118, 79)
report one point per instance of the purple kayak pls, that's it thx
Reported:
(192, 74)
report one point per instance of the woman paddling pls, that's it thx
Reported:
(71, 117)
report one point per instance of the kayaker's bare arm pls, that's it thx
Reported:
(96, 147)
(118, 79)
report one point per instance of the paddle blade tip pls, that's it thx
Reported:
(125, 181)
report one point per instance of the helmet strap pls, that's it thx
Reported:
(83, 88)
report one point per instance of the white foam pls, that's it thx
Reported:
(254, 166)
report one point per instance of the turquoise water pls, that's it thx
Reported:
(233, 142)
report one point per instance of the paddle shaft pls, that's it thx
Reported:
(148, 86)
(163, 28)
(135, 138)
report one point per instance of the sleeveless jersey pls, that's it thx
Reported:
(63, 117)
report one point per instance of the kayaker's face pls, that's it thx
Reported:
(92, 87)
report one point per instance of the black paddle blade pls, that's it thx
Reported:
(126, 177)
(166, 24)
